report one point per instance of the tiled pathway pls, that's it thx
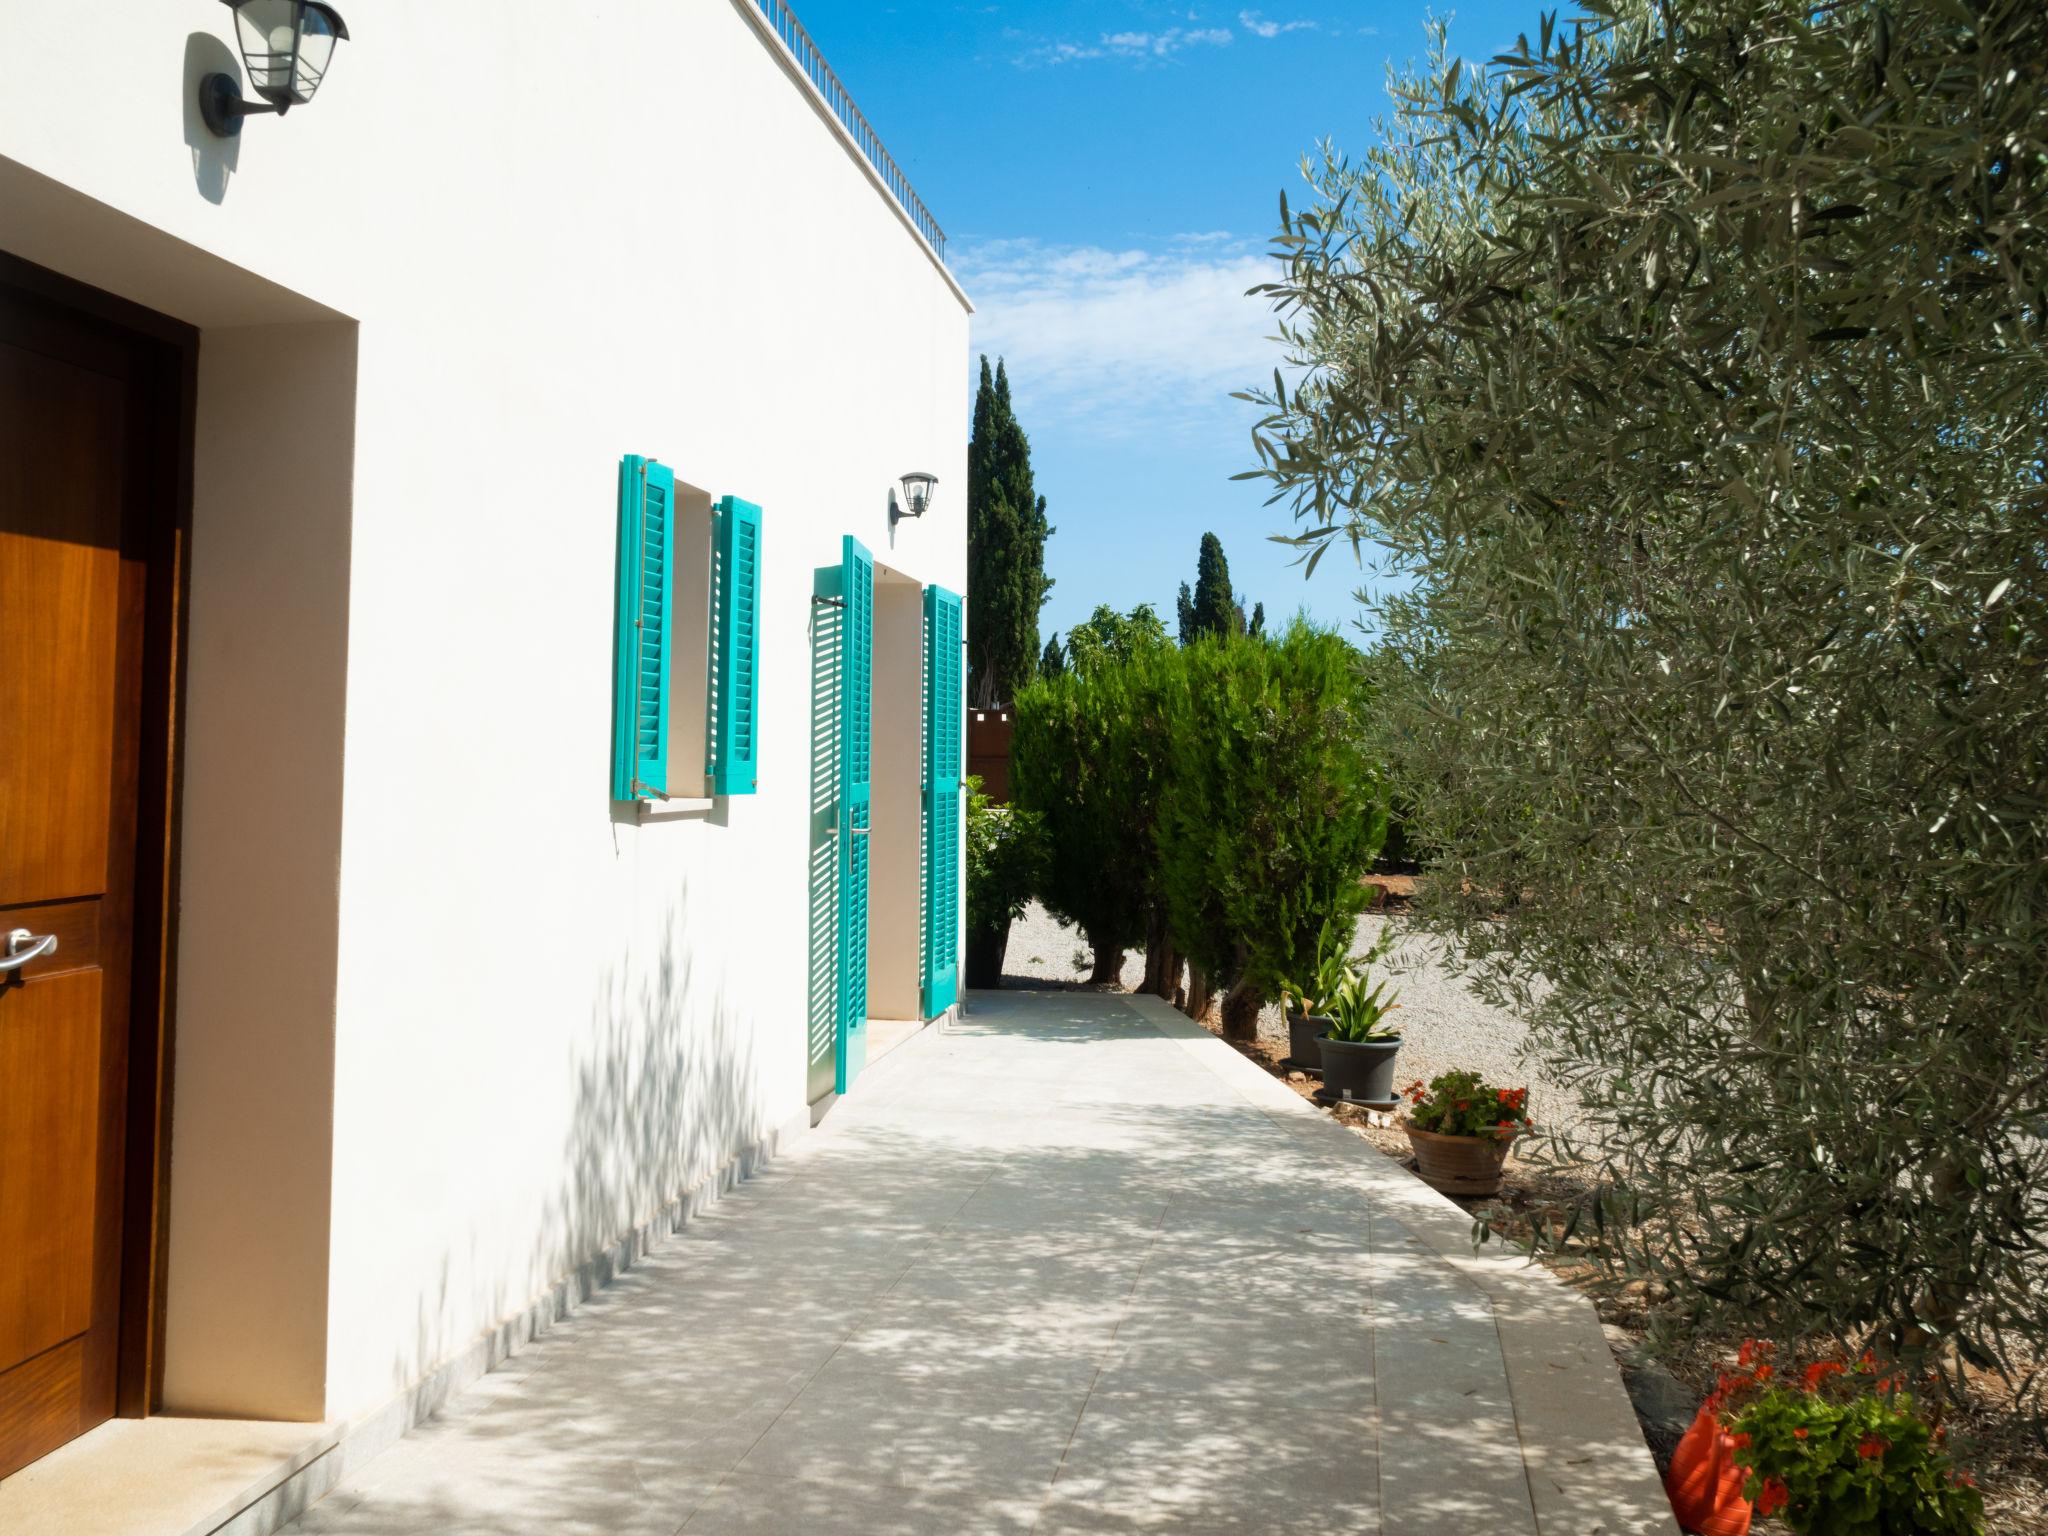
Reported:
(1073, 1266)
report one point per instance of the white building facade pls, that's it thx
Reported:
(534, 746)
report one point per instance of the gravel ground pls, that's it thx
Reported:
(1443, 1026)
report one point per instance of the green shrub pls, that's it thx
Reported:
(1273, 808)
(1005, 846)
(1083, 758)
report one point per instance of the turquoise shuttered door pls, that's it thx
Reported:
(645, 599)
(857, 592)
(943, 696)
(733, 739)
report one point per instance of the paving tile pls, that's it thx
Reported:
(752, 1507)
(869, 1432)
(1070, 1268)
(1234, 1351)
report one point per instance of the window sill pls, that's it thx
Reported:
(677, 808)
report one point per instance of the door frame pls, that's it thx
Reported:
(856, 776)
(168, 373)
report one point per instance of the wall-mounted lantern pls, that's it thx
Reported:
(286, 46)
(917, 495)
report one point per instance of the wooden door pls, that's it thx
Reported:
(77, 497)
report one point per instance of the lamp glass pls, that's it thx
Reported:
(286, 46)
(917, 491)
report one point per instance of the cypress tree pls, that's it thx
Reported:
(1184, 607)
(1054, 662)
(1006, 534)
(1214, 611)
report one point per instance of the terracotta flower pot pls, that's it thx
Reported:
(1458, 1165)
(1705, 1481)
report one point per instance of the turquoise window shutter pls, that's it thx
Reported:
(645, 600)
(943, 808)
(734, 737)
(857, 593)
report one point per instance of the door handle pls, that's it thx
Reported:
(23, 946)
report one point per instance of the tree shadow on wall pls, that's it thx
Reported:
(667, 1096)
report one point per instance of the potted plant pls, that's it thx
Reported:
(1844, 1449)
(1460, 1128)
(1357, 1050)
(1307, 1003)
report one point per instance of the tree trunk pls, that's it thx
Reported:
(1196, 1004)
(1162, 962)
(1241, 1014)
(1109, 965)
(985, 950)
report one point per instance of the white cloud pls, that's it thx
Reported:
(1255, 23)
(1141, 47)
(1123, 342)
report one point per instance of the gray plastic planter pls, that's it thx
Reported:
(1359, 1070)
(1304, 1032)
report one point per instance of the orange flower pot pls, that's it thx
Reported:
(1704, 1483)
(1459, 1165)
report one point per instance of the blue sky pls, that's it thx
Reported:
(1107, 175)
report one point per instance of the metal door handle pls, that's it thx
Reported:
(23, 946)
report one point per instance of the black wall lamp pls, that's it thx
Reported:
(917, 495)
(286, 46)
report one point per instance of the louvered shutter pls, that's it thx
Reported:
(646, 601)
(943, 699)
(734, 736)
(857, 592)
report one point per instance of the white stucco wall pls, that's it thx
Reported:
(563, 235)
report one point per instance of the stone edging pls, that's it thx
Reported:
(1589, 1472)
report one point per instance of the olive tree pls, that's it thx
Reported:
(1689, 364)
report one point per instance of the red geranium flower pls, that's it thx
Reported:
(1799, 1434)
(1870, 1447)
(1763, 1373)
(1820, 1371)
(1772, 1496)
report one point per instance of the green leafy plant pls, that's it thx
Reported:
(1005, 854)
(1356, 1010)
(1841, 1455)
(1464, 1104)
(1106, 637)
(1274, 808)
(1311, 996)
(1355, 1004)
(1683, 374)
(1005, 845)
